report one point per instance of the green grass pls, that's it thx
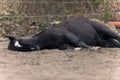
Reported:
(20, 20)
(43, 27)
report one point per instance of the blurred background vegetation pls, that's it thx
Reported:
(27, 17)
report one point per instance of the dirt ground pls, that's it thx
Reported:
(103, 64)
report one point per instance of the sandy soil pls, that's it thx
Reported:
(103, 64)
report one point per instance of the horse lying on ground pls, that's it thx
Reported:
(71, 33)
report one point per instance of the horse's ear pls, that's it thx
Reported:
(10, 38)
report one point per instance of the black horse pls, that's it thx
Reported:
(71, 33)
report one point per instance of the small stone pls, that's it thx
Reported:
(95, 48)
(77, 49)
